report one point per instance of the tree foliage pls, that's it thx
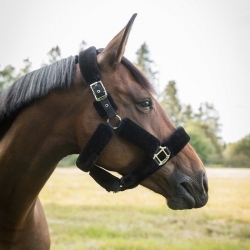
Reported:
(171, 104)
(26, 68)
(144, 63)
(237, 154)
(243, 146)
(199, 141)
(203, 125)
(8, 75)
(187, 113)
(54, 54)
(208, 117)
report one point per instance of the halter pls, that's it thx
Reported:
(157, 153)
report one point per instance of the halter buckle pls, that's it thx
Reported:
(162, 156)
(99, 91)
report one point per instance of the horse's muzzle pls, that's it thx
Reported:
(189, 192)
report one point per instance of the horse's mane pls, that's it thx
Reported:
(35, 85)
(39, 83)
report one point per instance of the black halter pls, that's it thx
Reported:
(157, 153)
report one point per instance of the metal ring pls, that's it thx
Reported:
(119, 122)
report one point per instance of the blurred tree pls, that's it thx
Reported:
(243, 146)
(171, 104)
(187, 113)
(144, 63)
(7, 76)
(209, 120)
(204, 124)
(26, 68)
(237, 154)
(208, 115)
(199, 140)
(68, 161)
(54, 54)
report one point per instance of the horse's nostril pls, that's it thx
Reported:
(205, 182)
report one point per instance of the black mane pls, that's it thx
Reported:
(35, 85)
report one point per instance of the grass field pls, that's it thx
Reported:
(81, 215)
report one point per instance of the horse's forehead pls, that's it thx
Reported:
(127, 80)
(125, 76)
(123, 72)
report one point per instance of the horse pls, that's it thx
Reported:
(49, 114)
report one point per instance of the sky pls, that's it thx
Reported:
(203, 45)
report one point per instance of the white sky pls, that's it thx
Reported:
(203, 45)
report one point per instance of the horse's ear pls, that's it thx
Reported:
(112, 54)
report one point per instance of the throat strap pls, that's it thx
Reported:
(94, 147)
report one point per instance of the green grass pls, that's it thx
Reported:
(81, 215)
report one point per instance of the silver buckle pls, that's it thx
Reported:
(162, 156)
(98, 98)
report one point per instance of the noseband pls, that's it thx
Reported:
(156, 153)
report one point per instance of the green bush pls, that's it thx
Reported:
(68, 161)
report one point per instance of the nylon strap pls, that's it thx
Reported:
(91, 76)
(88, 66)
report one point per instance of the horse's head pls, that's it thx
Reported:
(182, 180)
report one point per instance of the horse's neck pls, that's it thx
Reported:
(4, 128)
(38, 139)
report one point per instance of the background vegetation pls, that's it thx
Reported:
(82, 215)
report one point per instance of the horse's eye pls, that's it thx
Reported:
(146, 104)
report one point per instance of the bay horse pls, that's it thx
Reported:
(49, 114)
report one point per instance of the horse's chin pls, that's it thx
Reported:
(181, 203)
(186, 201)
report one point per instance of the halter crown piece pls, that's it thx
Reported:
(157, 153)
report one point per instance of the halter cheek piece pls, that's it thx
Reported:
(157, 153)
